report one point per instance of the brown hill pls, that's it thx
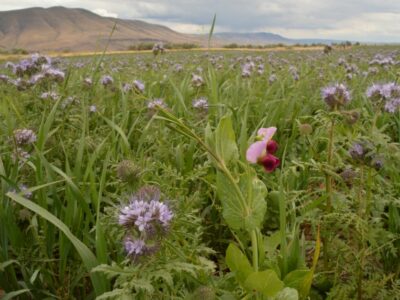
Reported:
(60, 28)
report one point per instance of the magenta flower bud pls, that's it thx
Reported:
(272, 147)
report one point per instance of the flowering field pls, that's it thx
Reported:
(193, 175)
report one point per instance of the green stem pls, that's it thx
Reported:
(328, 177)
(254, 246)
(282, 226)
(360, 196)
(328, 186)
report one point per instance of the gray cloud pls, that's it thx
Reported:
(365, 20)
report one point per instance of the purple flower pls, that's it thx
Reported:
(24, 136)
(138, 85)
(200, 104)
(88, 81)
(50, 95)
(374, 91)
(134, 247)
(92, 108)
(356, 151)
(54, 74)
(336, 95)
(4, 78)
(197, 80)
(145, 215)
(392, 105)
(153, 104)
(106, 80)
(272, 78)
(126, 87)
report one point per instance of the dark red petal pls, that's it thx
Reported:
(272, 147)
(269, 162)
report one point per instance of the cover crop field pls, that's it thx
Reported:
(201, 175)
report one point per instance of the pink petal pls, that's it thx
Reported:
(255, 151)
(266, 133)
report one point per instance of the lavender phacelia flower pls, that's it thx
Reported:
(134, 247)
(336, 95)
(145, 215)
(197, 80)
(24, 137)
(153, 104)
(92, 108)
(200, 104)
(50, 95)
(146, 220)
(357, 151)
(139, 86)
(106, 80)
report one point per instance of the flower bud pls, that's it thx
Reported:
(305, 129)
(204, 292)
(272, 147)
(269, 162)
(127, 171)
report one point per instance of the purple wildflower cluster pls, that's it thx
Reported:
(138, 85)
(364, 152)
(200, 104)
(153, 104)
(388, 93)
(24, 137)
(32, 71)
(146, 220)
(381, 60)
(106, 80)
(197, 80)
(158, 48)
(336, 95)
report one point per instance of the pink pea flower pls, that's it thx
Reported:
(261, 152)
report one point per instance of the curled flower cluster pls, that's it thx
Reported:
(158, 48)
(363, 152)
(200, 104)
(388, 94)
(39, 68)
(262, 152)
(106, 80)
(24, 137)
(153, 104)
(197, 80)
(336, 96)
(146, 220)
(138, 85)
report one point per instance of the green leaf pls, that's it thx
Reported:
(255, 192)
(211, 30)
(87, 256)
(14, 294)
(300, 280)
(287, 294)
(238, 263)
(225, 141)
(236, 215)
(266, 282)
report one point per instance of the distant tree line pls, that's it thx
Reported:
(14, 51)
(266, 46)
(149, 46)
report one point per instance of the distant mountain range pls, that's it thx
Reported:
(60, 28)
(74, 29)
(265, 38)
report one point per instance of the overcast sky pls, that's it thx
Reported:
(357, 20)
